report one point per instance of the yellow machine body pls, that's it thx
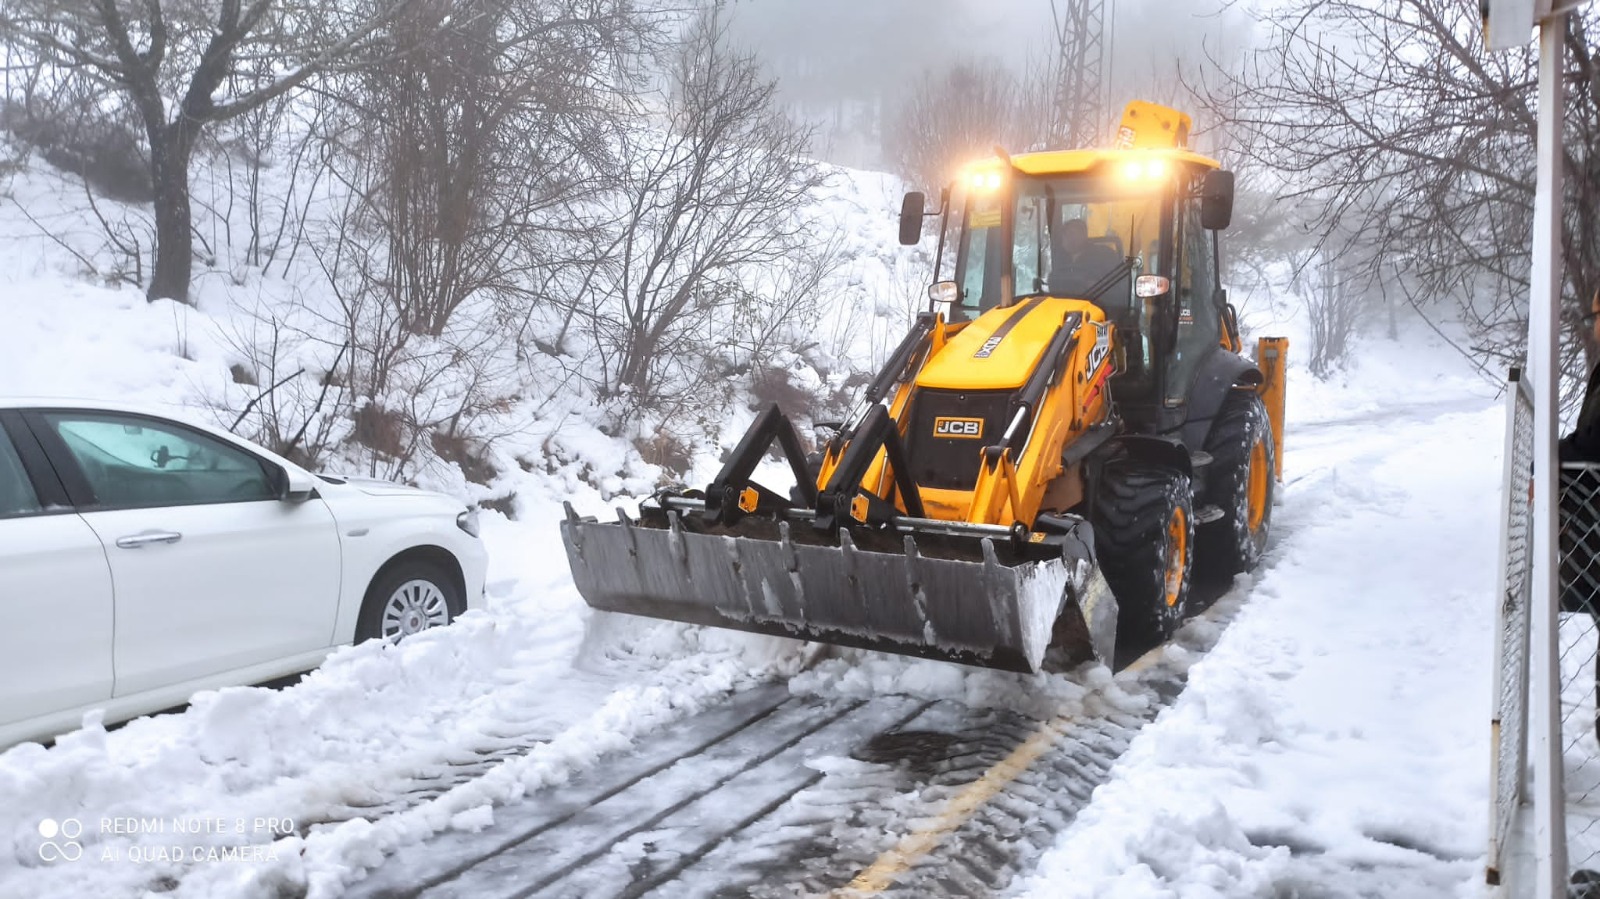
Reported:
(1011, 489)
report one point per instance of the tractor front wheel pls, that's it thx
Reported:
(1144, 539)
(1241, 483)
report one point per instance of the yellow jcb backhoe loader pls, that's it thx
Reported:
(1041, 462)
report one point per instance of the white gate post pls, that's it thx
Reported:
(1544, 297)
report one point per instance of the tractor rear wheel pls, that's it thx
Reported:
(1240, 482)
(1144, 539)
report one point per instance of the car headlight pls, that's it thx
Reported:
(468, 521)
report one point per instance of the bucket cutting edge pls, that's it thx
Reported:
(974, 609)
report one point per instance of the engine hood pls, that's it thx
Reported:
(1001, 349)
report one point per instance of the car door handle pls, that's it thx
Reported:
(134, 541)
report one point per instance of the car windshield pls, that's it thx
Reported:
(1072, 236)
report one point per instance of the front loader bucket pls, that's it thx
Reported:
(958, 599)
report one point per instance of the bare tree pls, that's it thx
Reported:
(467, 161)
(1333, 305)
(153, 50)
(1413, 143)
(1276, 243)
(710, 205)
(962, 114)
(460, 177)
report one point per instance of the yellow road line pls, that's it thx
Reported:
(918, 843)
(1143, 663)
(913, 846)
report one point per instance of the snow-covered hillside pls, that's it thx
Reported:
(1332, 740)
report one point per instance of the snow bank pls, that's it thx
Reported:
(1335, 741)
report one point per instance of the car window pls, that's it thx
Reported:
(134, 462)
(16, 493)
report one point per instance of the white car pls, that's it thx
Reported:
(143, 559)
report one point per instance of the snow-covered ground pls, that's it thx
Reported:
(1332, 743)
(1335, 741)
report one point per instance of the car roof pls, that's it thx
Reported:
(174, 411)
(79, 402)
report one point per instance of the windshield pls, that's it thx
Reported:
(1073, 235)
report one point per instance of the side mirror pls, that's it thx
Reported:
(911, 211)
(1216, 200)
(1149, 286)
(294, 485)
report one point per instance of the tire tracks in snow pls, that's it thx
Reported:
(774, 795)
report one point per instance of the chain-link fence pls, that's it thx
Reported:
(1577, 782)
(1509, 728)
(1580, 673)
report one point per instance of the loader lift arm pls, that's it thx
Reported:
(837, 503)
(732, 494)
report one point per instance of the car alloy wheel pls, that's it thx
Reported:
(413, 607)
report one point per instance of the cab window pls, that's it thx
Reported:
(979, 259)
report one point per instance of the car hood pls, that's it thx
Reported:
(375, 486)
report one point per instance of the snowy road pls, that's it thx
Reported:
(1331, 739)
(918, 794)
(783, 795)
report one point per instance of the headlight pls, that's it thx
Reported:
(468, 521)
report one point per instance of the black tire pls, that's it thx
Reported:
(425, 583)
(1143, 535)
(1242, 454)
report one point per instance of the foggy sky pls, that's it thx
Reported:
(835, 56)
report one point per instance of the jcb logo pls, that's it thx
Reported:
(945, 426)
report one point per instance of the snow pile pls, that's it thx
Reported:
(372, 724)
(857, 674)
(1335, 741)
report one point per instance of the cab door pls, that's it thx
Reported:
(1197, 318)
(55, 590)
(213, 572)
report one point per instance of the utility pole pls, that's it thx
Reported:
(1080, 62)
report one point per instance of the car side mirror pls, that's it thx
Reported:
(294, 485)
(911, 212)
(1216, 200)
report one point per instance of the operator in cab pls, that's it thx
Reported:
(1076, 263)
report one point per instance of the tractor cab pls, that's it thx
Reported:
(1131, 230)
